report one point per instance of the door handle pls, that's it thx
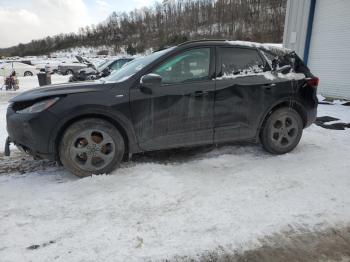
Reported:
(200, 93)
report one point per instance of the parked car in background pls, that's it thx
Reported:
(101, 70)
(70, 68)
(50, 67)
(200, 92)
(27, 62)
(21, 69)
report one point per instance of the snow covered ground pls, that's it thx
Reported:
(30, 82)
(177, 203)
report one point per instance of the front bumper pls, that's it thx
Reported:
(32, 132)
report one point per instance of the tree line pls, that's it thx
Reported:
(169, 23)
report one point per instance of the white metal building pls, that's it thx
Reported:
(319, 31)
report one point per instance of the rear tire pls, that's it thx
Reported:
(90, 147)
(28, 73)
(282, 131)
(69, 72)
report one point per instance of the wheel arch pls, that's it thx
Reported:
(27, 71)
(127, 134)
(294, 104)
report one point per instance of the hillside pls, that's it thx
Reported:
(168, 23)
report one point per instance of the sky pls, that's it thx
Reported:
(24, 20)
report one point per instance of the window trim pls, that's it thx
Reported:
(212, 66)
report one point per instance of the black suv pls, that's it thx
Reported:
(200, 92)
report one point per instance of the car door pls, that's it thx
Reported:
(20, 68)
(180, 111)
(245, 89)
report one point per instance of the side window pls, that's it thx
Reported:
(116, 65)
(188, 66)
(123, 62)
(240, 61)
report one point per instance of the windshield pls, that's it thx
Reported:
(101, 65)
(135, 66)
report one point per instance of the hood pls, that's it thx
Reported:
(61, 90)
(73, 64)
(82, 60)
(88, 70)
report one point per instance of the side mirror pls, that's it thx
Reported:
(151, 81)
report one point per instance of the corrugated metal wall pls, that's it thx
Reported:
(329, 56)
(296, 21)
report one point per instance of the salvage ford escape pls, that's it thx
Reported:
(200, 92)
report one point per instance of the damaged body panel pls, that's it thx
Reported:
(201, 92)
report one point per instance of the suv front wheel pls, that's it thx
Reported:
(91, 146)
(282, 131)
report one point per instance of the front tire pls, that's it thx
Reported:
(282, 131)
(90, 147)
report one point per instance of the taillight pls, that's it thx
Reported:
(314, 81)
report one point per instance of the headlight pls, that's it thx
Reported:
(38, 106)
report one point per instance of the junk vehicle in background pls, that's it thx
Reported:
(21, 69)
(197, 93)
(101, 70)
(70, 68)
(50, 67)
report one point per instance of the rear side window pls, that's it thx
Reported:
(236, 61)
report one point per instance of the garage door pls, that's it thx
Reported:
(329, 56)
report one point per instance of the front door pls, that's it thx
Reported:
(180, 111)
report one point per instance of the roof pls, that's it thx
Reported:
(265, 46)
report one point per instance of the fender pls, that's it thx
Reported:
(85, 111)
(292, 102)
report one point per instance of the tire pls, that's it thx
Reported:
(69, 72)
(282, 131)
(28, 73)
(91, 147)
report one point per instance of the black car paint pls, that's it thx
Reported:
(174, 114)
(194, 113)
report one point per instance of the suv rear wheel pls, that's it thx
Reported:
(91, 146)
(282, 131)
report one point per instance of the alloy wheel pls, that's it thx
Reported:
(284, 131)
(92, 150)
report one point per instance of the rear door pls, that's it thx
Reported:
(180, 111)
(245, 89)
(20, 68)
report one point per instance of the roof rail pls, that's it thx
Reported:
(202, 40)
